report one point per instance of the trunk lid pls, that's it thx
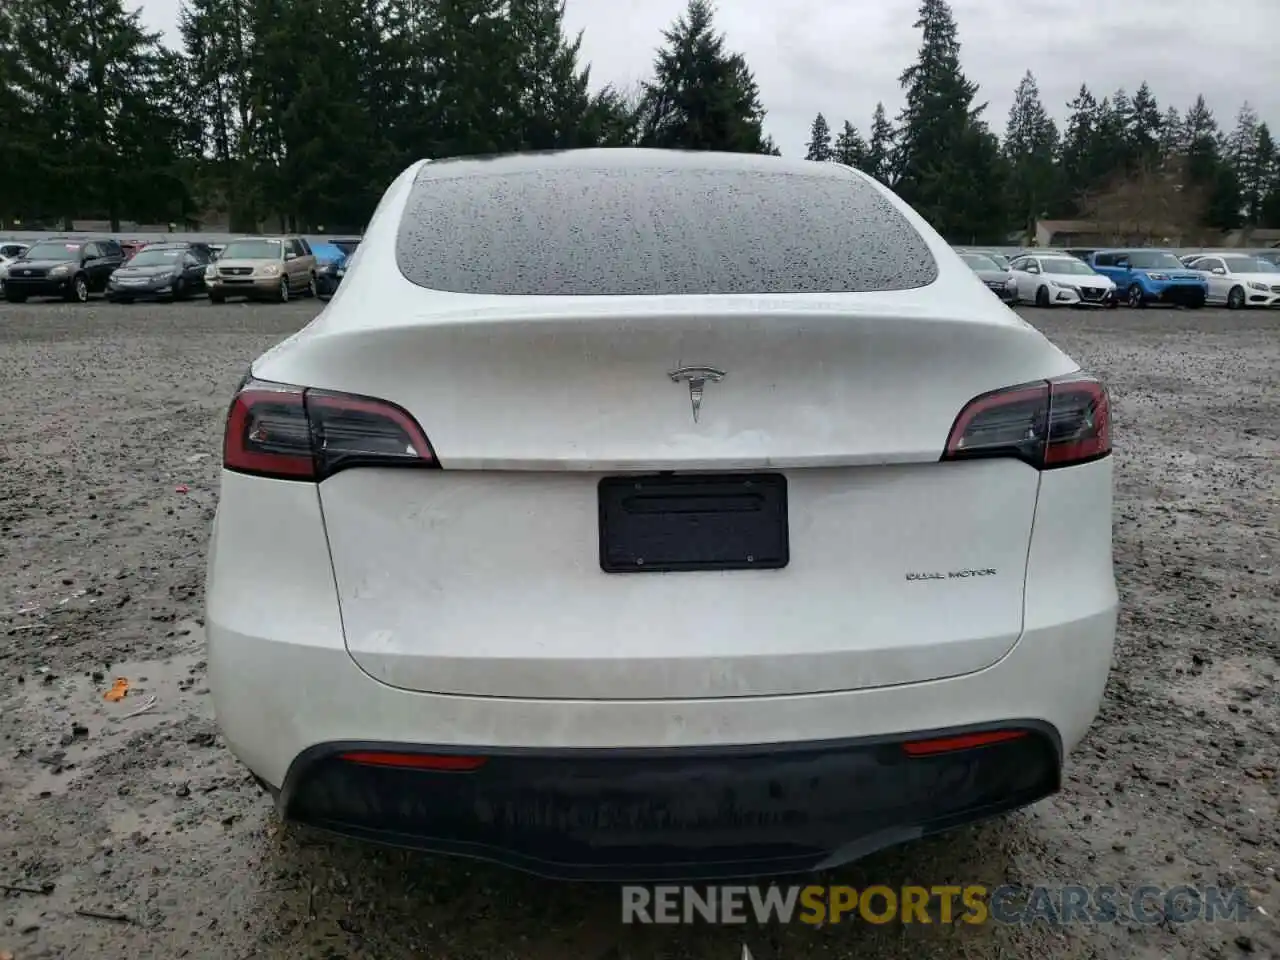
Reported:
(484, 578)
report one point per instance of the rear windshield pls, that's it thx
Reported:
(640, 230)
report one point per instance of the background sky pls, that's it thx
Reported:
(841, 57)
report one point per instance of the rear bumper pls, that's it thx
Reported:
(647, 815)
(288, 697)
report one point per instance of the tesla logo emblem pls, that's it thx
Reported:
(698, 377)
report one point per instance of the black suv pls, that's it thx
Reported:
(70, 269)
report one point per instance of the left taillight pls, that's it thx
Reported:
(295, 433)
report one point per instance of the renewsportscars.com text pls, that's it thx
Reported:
(972, 904)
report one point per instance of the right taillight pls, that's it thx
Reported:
(293, 433)
(1048, 423)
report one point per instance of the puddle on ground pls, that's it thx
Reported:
(70, 725)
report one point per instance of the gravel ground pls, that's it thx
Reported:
(108, 478)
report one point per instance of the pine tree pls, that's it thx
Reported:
(1143, 128)
(1173, 135)
(1200, 136)
(945, 161)
(216, 49)
(1266, 167)
(1207, 170)
(17, 152)
(547, 82)
(819, 140)
(43, 34)
(87, 76)
(1225, 199)
(1242, 154)
(612, 119)
(850, 148)
(1079, 144)
(1111, 155)
(880, 147)
(1030, 147)
(702, 97)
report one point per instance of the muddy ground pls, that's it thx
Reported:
(109, 443)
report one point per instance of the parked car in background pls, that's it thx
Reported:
(1239, 280)
(70, 269)
(346, 244)
(1144, 276)
(331, 263)
(995, 256)
(1080, 253)
(1000, 282)
(131, 247)
(1061, 280)
(263, 268)
(9, 251)
(169, 270)
(217, 249)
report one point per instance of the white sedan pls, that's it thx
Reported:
(1061, 280)
(644, 514)
(1239, 280)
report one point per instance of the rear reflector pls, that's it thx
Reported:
(1047, 424)
(292, 433)
(964, 741)
(414, 761)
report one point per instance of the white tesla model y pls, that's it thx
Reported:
(635, 514)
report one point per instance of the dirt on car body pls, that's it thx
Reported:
(126, 829)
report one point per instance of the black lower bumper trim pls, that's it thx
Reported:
(649, 815)
(129, 296)
(1184, 296)
(42, 288)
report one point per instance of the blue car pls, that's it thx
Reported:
(331, 264)
(1144, 276)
